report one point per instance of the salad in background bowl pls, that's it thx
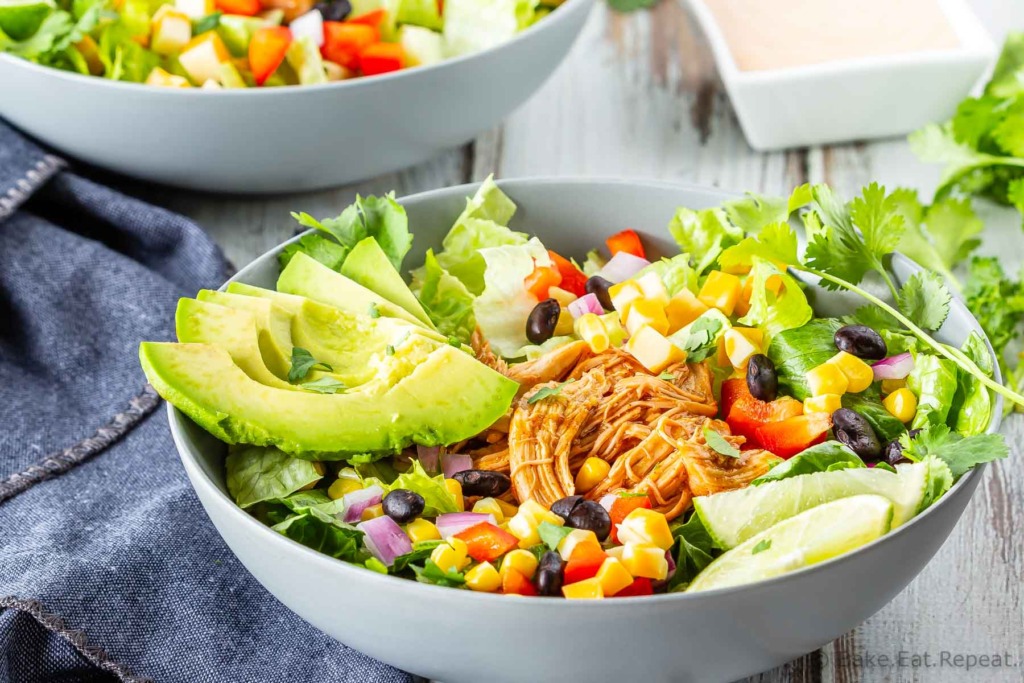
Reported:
(681, 423)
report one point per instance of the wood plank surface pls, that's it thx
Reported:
(639, 97)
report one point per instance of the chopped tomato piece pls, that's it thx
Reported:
(584, 562)
(247, 8)
(622, 506)
(267, 49)
(745, 414)
(514, 582)
(381, 58)
(794, 435)
(541, 280)
(640, 586)
(573, 279)
(372, 19)
(627, 241)
(486, 542)
(343, 42)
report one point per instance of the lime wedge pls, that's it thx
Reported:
(813, 536)
(20, 19)
(733, 517)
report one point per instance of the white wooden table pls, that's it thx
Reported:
(639, 97)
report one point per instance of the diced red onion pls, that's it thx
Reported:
(587, 303)
(894, 367)
(622, 266)
(428, 457)
(357, 501)
(384, 539)
(452, 523)
(309, 24)
(607, 500)
(452, 463)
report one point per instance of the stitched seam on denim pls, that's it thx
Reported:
(44, 169)
(96, 655)
(60, 462)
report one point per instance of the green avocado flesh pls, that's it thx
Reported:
(305, 276)
(273, 323)
(448, 397)
(368, 265)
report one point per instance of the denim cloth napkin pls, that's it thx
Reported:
(109, 568)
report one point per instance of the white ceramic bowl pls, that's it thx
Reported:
(853, 99)
(461, 637)
(284, 139)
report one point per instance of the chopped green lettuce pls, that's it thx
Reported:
(445, 299)
(869, 404)
(501, 311)
(257, 473)
(474, 25)
(705, 233)
(381, 218)
(436, 496)
(324, 533)
(823, 457)
(934, 381)
(775, 313)
(800, 349)
(971, 411)
(676, 273)
(693, 551)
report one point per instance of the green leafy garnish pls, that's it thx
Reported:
(939, 236)
(324, 385)
(303, 363)
(631, 5)
(431, 573)
(761, 546)
(389, 350)
(701, 341)
(547, 392)
(997, 301)
(667, 376)
(323, 533)
(960, 453)
(552, 534)
(320, 247)
(207, 23)
(798, 350)
(420, 553)
(257, 473)
(925, 300)
(445, 299)
(718, 444)
(374, 312)
(704, 233)
(436, 497)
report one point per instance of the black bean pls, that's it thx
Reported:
(761, 378)
(861, 341)
(403, 505)
(852, 429)
(590, 516)
(549, 576)
(564, 506)
(598, 286)
(483, 482)
(894, 453)
(540, 326)
(334, 11)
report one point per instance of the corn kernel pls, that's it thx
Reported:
(738, 348)
(645, 561)
(450, 558)
(613, 327)
(339, 487)
(521, 560)
(576, 538)
(646, 312)
(483, 578)
(902, 404)
(827, 378)
(721, 291)
(372, 512)
(565, 324)
(422, 530)
(455, 488)
(624, 294)
(682, 309)
(489, 506)
(654, 351)
(613, 576)
(588, 589)
(645, 527)
(592, 473)
(590, 328)
(560, 295)
(653, 288)
(891, 385)
(859, 374)
(826, 403)
(162, 78)
(524, 523)
(507, 509)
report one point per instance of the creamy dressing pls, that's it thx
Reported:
(778, 34)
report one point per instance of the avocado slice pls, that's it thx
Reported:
(368, 265)
(448, 397)
(273, 323)
(305, 276)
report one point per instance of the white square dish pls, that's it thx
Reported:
(851, 99)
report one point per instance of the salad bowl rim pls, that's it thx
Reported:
(560, 14)
(189, 452)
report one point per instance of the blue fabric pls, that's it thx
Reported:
(109, 568)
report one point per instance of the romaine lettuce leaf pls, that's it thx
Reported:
(446, 300)
(436, 496)
(869, 404)
(775, 313)
(693, 551)
(501, 311)
(419, 12)
(381, 218)
(320, 247)
(704, 233)
(824, 457)
(257, 473)
(934, 381)
(475, 25)
(796, 351)
(324, 533)
(676, 273)
(972, 405)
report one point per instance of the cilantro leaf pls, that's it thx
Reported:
(702, 339)
(996, 300)
(552, 534)
(431, 573)
(303, 363)
(718, 444)
(762, 545)
(940, 236)
(420, 553)
(317, 246)
(667, 376)
(925, 300)
(207, 23)
(960, 453)
(324, 385)
(547, 392)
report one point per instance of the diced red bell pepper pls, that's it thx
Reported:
(627, 241)
(373, 18)
(732, 390)
(486, 542)
(541, 280)
(794, 435)
(745, 414)
(267, 49)
(622, 506)
(344, 41)
(585, 560)
(573, 279)
(640, 586)
(514, 582)
(247, 8)
(381, 58)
